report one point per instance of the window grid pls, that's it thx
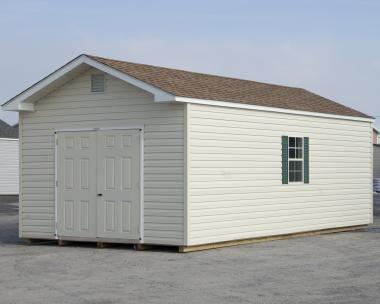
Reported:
(295, 159)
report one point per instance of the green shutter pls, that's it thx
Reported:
(306, 160)
(285, 152)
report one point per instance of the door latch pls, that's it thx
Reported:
(100, 194)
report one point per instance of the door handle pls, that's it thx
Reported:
(100, 194)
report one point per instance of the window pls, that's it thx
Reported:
(97, 83)
(295, 159)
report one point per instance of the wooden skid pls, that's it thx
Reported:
(142, 247)
(63, 243)
(31, 241)
(103, 245)
(184, 249)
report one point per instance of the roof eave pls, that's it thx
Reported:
(268, 109)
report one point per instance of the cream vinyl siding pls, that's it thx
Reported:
(234, 183)
(376, 161)
(8, 166)
(74, 106)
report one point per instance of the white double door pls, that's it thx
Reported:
(98, 189)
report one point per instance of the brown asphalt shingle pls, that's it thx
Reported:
(203, 86)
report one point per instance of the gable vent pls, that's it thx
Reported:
(97, 83)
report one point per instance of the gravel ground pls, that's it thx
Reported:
(336, 268)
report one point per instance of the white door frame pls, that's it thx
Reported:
(141, 183)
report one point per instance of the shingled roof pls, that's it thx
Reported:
(211, 87)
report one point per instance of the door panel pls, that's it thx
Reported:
(76, 197)
(118, 182)
(105, 162)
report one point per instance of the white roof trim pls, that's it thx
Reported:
(20, 101)
(267, 109)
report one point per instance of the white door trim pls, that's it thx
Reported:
(132, 127)
(141, 184)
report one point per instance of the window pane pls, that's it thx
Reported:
(292, 153)
(295, 170)
(299, 142)
(298, 176)
(291, 176)
(291, 166)
(292, 141)
(299, 153)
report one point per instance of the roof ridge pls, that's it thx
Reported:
(192, 72)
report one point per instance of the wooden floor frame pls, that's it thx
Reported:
(268, 238)
(184, 249)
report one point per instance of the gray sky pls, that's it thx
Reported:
(330, 47)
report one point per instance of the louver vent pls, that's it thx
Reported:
(97, 83)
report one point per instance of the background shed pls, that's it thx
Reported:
(376, 161)
(9, 155)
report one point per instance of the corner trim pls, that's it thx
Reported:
(186, 171)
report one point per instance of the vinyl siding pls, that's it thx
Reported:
(74, 106)
(235, 188)
(8, 166)
(376, 161)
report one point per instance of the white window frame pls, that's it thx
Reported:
(296, 159)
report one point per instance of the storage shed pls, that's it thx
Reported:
(114, 151)
(9, 175)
